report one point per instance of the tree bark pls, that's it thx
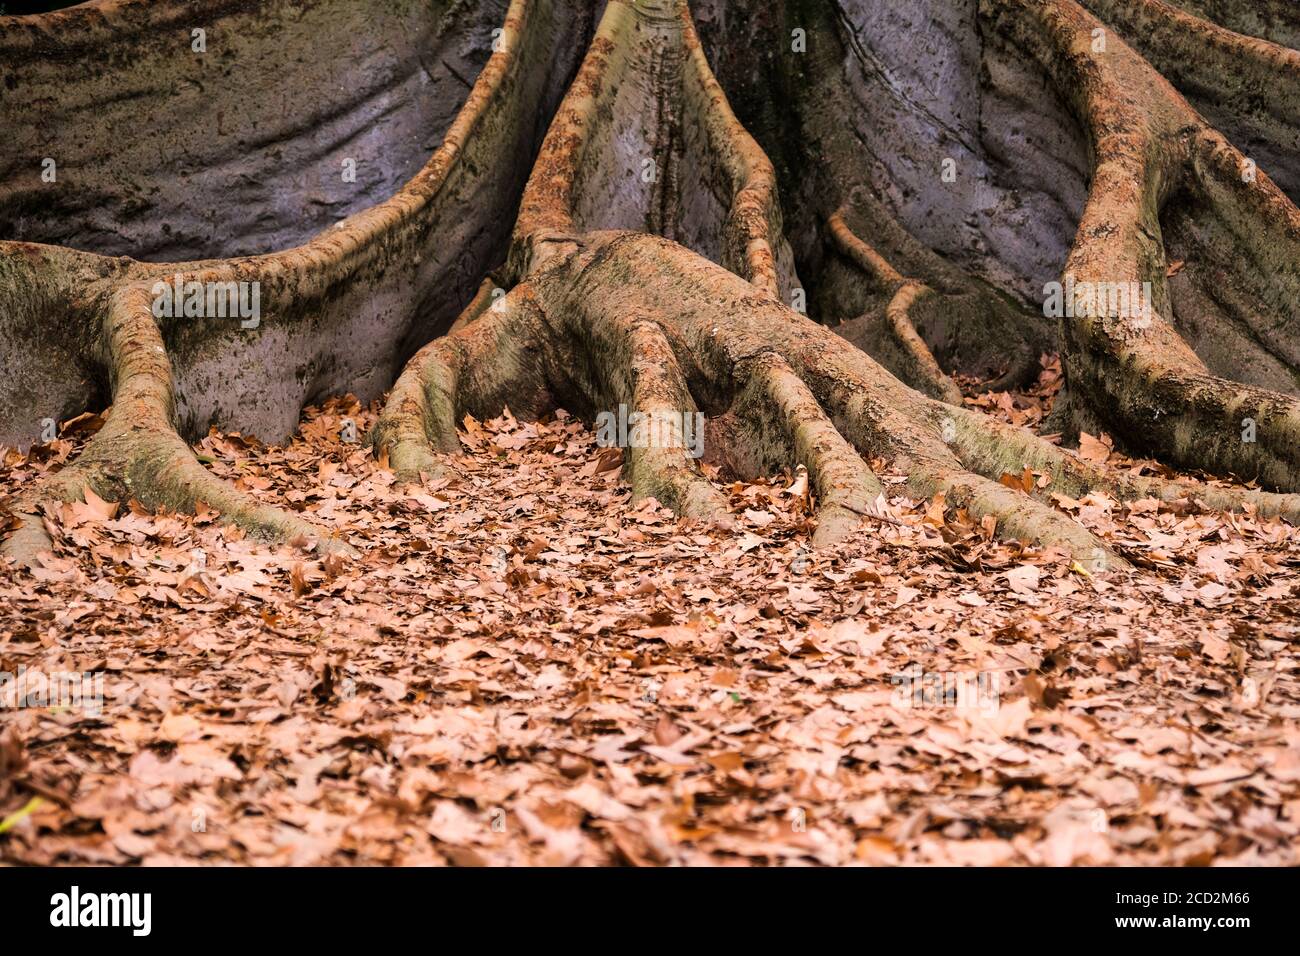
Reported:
(926, 171)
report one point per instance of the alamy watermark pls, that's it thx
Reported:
(71, 690)
(74, 908)
(208, 300)
(657, 429)
(1124, 300)
(959, 690)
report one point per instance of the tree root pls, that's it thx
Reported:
(339, 313)
(924, 373)
(138, 455)
(335, 313)
(649, 276)
(853, 411)
(645, 377)
(1134, 372)
(994, 449)
(1061, 129)
(782, 391)
(473, 369)
(1222, 73)
(794, 424)
(794, 393)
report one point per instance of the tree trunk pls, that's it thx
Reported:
(619, 237)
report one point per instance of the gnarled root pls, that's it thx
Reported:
(644, 373)
(786, 420)
(1165, 181)
(647, 190)
(491, 354)
(627, 319)
(920, 367)
(792, 392)
(1248, 87)
(138, 454)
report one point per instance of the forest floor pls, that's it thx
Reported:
(523, 668)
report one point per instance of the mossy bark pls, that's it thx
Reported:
(637, 248)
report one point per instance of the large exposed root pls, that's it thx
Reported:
(490, 357)
(995, 449)
(1052, 154)
(1245, 86)
(1131, 369)
(788, 420)
(651, 282)
(339, 313)
(783, 392)
(643, 374)
(335, 314)
(942, 449)
(728, 328)
(138, 455)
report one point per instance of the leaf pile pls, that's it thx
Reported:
(526, 668)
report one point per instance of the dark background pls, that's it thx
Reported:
(14, 7)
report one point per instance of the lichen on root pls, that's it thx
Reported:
(337, 314)
(654, 269)
(783, 397)
(138, 455)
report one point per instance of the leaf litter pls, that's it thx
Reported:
(525, 667)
